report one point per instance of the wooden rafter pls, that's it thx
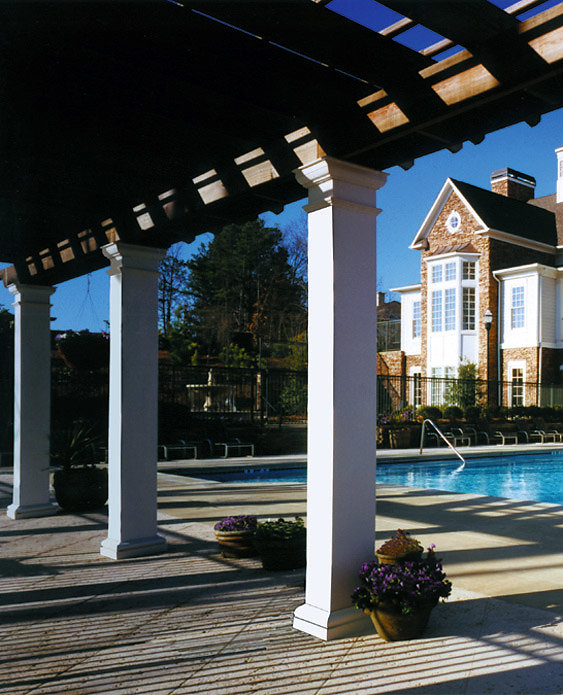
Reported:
(157, 124)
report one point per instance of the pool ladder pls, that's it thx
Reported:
(441, 434)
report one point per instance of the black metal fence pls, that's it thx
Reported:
(262, 396)
(400, 392)
(243, 394)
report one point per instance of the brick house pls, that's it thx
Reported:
(499, 251)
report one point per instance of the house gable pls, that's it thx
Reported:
(481, 212)
(449, 200)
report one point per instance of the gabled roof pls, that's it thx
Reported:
(496, 215)
(508, 215)
(549, 202)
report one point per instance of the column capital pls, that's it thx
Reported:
(333, 182)
(31, 294)
(132, 256)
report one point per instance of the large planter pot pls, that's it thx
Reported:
(282, 555)
(393, 626)
(406, 557)
(81, 489)
(236, 543)
(400, 439)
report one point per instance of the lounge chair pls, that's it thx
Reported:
(474, 434)
(541, 436)
(457, 437)
(510, 434)
(235, 447)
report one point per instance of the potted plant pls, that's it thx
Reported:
(79, 484)
(399, 548)
(281, 544)
(399, 597)
(235, 535)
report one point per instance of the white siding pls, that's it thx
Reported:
(409, 344)
(549, 312)
(525, 336)
(469, 348)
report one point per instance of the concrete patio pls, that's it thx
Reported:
(188, 621)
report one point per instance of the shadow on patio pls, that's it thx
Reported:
(189, 621)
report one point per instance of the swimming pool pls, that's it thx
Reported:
(537, 477)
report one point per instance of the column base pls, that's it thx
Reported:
(135, 548)
(29, 511)
(347, 622)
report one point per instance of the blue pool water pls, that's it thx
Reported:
(537, 477)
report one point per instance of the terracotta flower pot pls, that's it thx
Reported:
(407, 557)
(393, 626)
(236, 543)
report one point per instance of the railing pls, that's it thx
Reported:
(443, 436)
(237, 394)
(399, 392)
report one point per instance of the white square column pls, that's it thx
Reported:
(32, 401)
(133, 401)
(342, 392)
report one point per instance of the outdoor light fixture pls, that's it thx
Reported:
(487, 320)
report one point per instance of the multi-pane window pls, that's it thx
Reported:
(416, 320)
(517, 308)
(449, 309)
(517, 379)
(437, 275)
(468, 309)
(436, 311)
(450, 271)
(469, 270)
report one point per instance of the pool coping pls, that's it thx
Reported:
(384, 456)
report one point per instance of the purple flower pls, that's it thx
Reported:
(244, 522)
(405, 586)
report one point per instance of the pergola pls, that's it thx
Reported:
(132, 125)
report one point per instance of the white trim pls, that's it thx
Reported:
(529, 269)
(453, 216)
(452, 254)
(506, 177)
(430, 220)
(408, 288)
(516, 240)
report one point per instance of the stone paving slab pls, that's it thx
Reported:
(189, 621)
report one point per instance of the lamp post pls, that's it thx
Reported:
(488, 320)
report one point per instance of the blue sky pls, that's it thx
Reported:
(404, 200)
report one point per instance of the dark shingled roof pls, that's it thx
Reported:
(548, 202)
(510, 216)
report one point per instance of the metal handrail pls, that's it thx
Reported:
(439, 431)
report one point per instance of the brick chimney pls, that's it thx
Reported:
(380, 298)
(513, 184)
